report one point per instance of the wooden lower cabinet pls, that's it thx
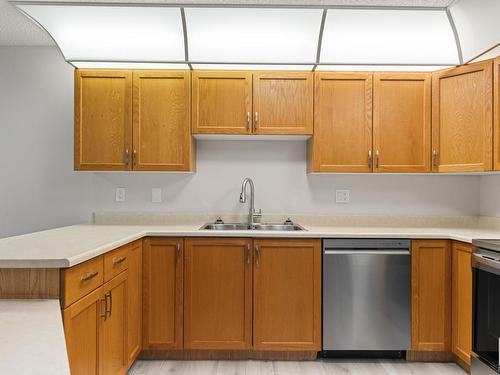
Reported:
(134, 309)
(461, 339)
(287, 294)
(218, 293)
(431, 296)
(162, 293)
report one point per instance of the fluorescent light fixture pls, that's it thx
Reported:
(126, 65)
(117, 33)
(259, 35)
(251, 67)
(376, 36)
(381, 68)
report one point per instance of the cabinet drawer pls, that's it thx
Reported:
(80, 280)
(115, 262)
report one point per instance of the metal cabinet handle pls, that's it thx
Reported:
(248, 120)
(248, 253)
(377, 159)
(89, 276)
(134, 157)
(126, 158)
(178, 253)
(434, 158)
(118, 260)
(110, 309)
(370, 158)
(104, 301)
(257, 255)
(256, 120)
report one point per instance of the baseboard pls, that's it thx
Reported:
(229, 355)
(459, 361)
(424, 356)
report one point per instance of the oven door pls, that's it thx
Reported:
(486, 323)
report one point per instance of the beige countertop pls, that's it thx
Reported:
(32, 338)
(68, 246)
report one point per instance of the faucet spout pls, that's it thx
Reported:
(252, 213)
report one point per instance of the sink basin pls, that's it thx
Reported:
(244, 226)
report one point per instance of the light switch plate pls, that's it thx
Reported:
(342, 196)
(120, 195)
(156, 195)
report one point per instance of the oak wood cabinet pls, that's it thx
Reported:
(161, 121)
(462, 139)
(496, 114)
(163, 293)
(342, 139)
(134, 296)
(150, 132)
(283, 103)
(103, 119)
(218, 293)
(431, 295)
(461, 339)
(287, 294)
(222, 102)
(402, 122)
(252, 103)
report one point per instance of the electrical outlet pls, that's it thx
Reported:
(342, 196)
(120, 195)
(156, 195)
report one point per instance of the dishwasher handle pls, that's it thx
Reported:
(367, 252)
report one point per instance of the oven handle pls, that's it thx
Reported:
(479, 261)
(367, 252)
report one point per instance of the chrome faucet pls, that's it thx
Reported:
(253, 215)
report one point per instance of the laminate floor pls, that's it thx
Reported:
(319, 367)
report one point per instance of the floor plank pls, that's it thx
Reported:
(319, 367)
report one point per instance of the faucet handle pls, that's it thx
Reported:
(257, 215)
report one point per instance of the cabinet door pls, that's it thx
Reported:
(431, 295)
(218, 294)
(162, 135)
(283, 103)
(287, 295)
(462, 118)
(163, 286)
(402, 122)
(113, 360)
(496, 111)
(342, 140)
(103, 119)
(222, 102)
(134, 308)
(81, 328)
(461, 339)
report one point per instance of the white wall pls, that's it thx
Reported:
(38, 188)
(490, 195)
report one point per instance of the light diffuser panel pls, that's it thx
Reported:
(375, 36)
(113, 32)
(258, 35)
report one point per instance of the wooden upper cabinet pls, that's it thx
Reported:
(218, 293)
(496, 113)
(462, 118)
(287, 294)
(222, 102)
(161, 121)
(163, 286)
(431, 295)
(461, 338)
(342, 139)
(283, 103)
(402, 122)
(103, 119)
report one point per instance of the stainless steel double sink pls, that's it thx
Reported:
(257, 226)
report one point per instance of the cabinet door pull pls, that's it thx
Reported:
(248, 120)
(126, 158)
(434, 158)
(377, 159)
(134, 157)
(178, 253)
(248, 253)
(118, 260)
(370, 158)
(109, 308)
(89, 276)
(257, 255)
(104, 301)
(256, 120)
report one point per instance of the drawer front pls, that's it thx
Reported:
(115, 262)
(80, 280)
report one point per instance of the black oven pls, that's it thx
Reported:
(486, 311)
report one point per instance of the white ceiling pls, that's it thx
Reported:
(17, 30)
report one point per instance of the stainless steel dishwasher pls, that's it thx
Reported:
(366, 295)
